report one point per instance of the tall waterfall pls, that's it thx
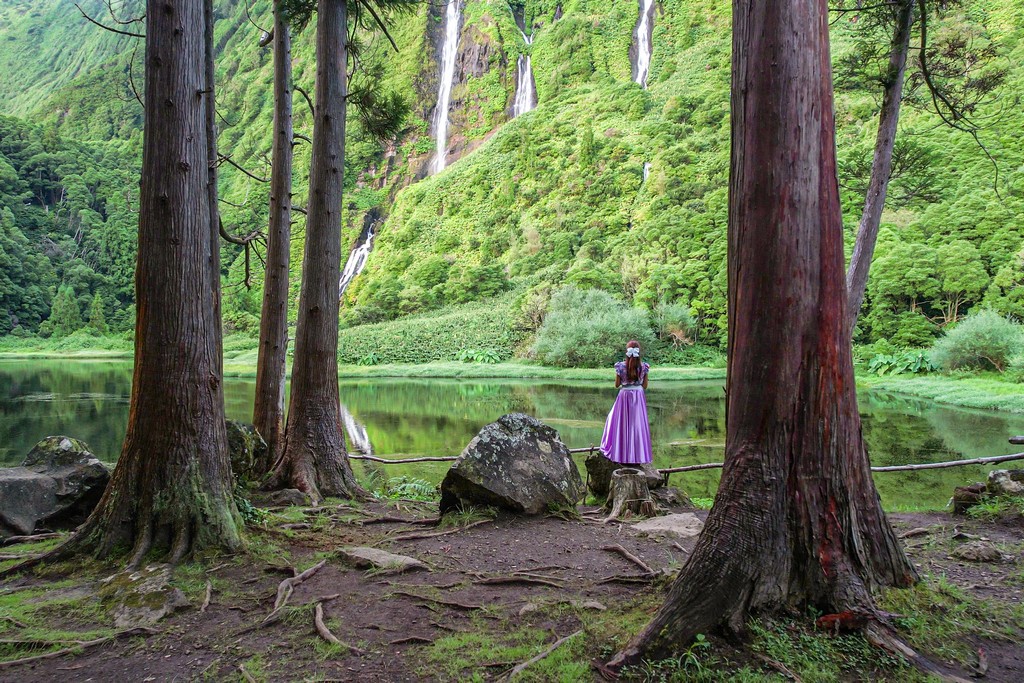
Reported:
(644, 30)
(357, 259)
(452, 18)
(526, 96)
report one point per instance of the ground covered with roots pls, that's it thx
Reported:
(500, 593)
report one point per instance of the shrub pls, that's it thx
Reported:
(913, 362)
(589, 328)
(673, 324)
(982, 341)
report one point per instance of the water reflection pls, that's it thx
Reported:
(89, 400)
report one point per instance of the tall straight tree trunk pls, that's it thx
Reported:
(172, 486)
(209, 97)
(797, 520)
(881, 163)
(314, 458)
(268, 412)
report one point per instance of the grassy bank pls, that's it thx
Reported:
(987, 393)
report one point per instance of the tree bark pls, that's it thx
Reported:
(314, 459)
(628, 493)
(172, 486)
(881, 163)
(797, 520)
(268, 411)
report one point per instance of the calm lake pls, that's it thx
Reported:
(89, 400)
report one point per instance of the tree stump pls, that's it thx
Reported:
(628, 493)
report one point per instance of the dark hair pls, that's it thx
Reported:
(633, 363)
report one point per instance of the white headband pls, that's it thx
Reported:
(633, 352)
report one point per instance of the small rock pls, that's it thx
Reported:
(517, 463)
(291, 497)
(593, 604)
(978, 551)
(671, 497)
(683, 525)
(1006, 482)
(143, 597)
(527, 608)
(374, 558)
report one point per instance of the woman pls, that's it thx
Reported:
(627, 436)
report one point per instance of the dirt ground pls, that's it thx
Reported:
(544, 577)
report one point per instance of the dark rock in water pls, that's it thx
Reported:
(248, 451)
(517, 463)
(1006, 482)
(58, 485)
(966, 497)
(600, 468)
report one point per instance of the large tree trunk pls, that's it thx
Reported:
(209, 97)
(881, 163)
(314, 458)
(268, 412)
(797, 520)
(172, 484)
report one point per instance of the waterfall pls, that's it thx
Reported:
(647, 170)
(644, 31)
(357, 434)
(525, 94)
(357, 259)
(449, 50)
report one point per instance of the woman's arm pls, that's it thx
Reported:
(618, 380)
(647, 371)
(645, 382)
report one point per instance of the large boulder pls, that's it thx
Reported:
(599, 474)
(58, 485)
(1006, 482)
(517, 463)
(248, 451)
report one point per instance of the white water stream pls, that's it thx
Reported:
(449, 50)
(357, 260)
(526, 97)
(644, 28)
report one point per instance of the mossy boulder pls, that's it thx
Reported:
(249, 452)
(516, 463)
(57, 486)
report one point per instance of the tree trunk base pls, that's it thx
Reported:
(628, 495)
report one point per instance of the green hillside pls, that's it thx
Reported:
(556, 196)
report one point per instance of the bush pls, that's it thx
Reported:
(982, 341)
(483, 329)
(589, 328)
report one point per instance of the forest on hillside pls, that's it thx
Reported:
(611, 188)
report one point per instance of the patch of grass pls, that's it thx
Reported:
(997, 507)
(257, 667)
(466, 516)
(986, 392)
(937, 617)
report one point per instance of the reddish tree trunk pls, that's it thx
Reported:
(797, 520)
(268, 412)
(881, 163)
(172, 484)
(314, 458)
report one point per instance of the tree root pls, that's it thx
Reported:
(325, 633)
(629, 556)
(390, 519)
(12, 540)
(207, 597)
(245, 674)
(515, 579)
(286, 588)
(439, 601)
(12, 620)
(80, 645)
(533, 660)
(778, 666)
(619, 578)
(434, 534)
(882, 636)
(411, 639)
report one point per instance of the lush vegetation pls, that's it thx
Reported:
(614, 190)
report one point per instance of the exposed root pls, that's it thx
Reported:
(182, 544)
(325, 633)
(81, 645)
(245, 674)
(12, 540)
(514, 579)
(12, 620)
(144, 541)
(411, 639)
(619, 578)
(8, 558)
(533, 660)
(434, 534)
(439, 601)
(629, 556)
(207, 597)
(779, 666)
(390, 519)
(287, 587)
(881, 636)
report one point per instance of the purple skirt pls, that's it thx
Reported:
(627, 436)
